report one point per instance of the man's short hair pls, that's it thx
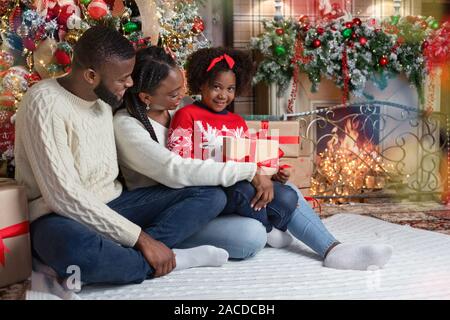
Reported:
(99, 44)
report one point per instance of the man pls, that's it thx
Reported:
(66, 158)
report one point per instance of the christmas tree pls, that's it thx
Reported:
(37, 37)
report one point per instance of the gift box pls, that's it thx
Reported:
(15, 249)
(262, 151)
(301, 170)
(287, 133)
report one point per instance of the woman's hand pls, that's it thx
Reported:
(264, 191)
(157, 254)
(282, 175)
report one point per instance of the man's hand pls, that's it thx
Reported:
(264, 191)
(160, 257)
(282, 175)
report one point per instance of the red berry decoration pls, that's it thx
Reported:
(62, 57)
(357, 21)
(316, 43)
(383, 61)
(306, 28)
(363, 41)
(348, 25)
(279, 31)
(425, 45)
(320, 30)
(354, 36)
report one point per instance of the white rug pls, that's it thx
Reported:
(418, 269)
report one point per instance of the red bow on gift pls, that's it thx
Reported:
(263, 134)
(215, 61)
(9, 232)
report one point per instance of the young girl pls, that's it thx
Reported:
(197, 131)
(148, 162)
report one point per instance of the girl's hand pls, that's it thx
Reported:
(264, 191)
(282, 175)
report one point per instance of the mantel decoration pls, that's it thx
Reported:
(350, 51)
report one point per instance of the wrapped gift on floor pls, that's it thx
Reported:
(288, 133)
(301, 170)
(15, 250)
(264, 152)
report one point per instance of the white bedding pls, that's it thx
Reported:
(418, 269)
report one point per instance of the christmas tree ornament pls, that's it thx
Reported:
(316, 43)
(85, 2)
(395, 20)
(29, 43)
(280, 51)
(383, 61)
(43, 56)
(425, 45)
(62, 57)
(433, 24)
(130, 27)
(320, 30)
(346, 33)
(97, 9)
(74, 22)
(4, 6)
(348, 25)
(198, 25)
(357, 22)
(363, 41)
(279, 31)
(72, 36)
(354, 35)
(67, 9)
(23, 31)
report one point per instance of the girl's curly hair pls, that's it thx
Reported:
(199, 61)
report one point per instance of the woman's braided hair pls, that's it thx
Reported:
(152, 66)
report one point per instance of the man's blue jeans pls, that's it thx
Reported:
(168, 215)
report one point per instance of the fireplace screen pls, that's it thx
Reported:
(374, 149)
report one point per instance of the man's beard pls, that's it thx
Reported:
(107, 96)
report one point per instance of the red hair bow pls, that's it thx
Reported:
(227, 58)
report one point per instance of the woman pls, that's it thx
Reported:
(141, 133)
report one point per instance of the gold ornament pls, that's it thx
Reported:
(72, 36)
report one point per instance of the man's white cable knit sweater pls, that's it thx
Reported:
(145, 162)
(66, 157)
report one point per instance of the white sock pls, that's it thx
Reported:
(358, 256)
(278, 239)
(202, 256)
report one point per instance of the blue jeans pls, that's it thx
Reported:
(278, 212)
(168, 215)
(307, 227)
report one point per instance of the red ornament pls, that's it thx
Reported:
(198, 26)
(97, 9)
(363, 41)
(425, 45)
(348, 25)
(62, 57)
(303, 19)
(354, 36)
(29, 44)
(279, 31)
(306, 28)
(320, 30)
(357, 21)
(66, 11)
(383, 61)
(316, 43)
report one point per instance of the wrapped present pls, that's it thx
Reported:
(287, 133)
(264, 152)
(15, 250)
(301, 170)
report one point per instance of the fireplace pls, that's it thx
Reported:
(374, 149)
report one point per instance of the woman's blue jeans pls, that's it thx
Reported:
(307, 227)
